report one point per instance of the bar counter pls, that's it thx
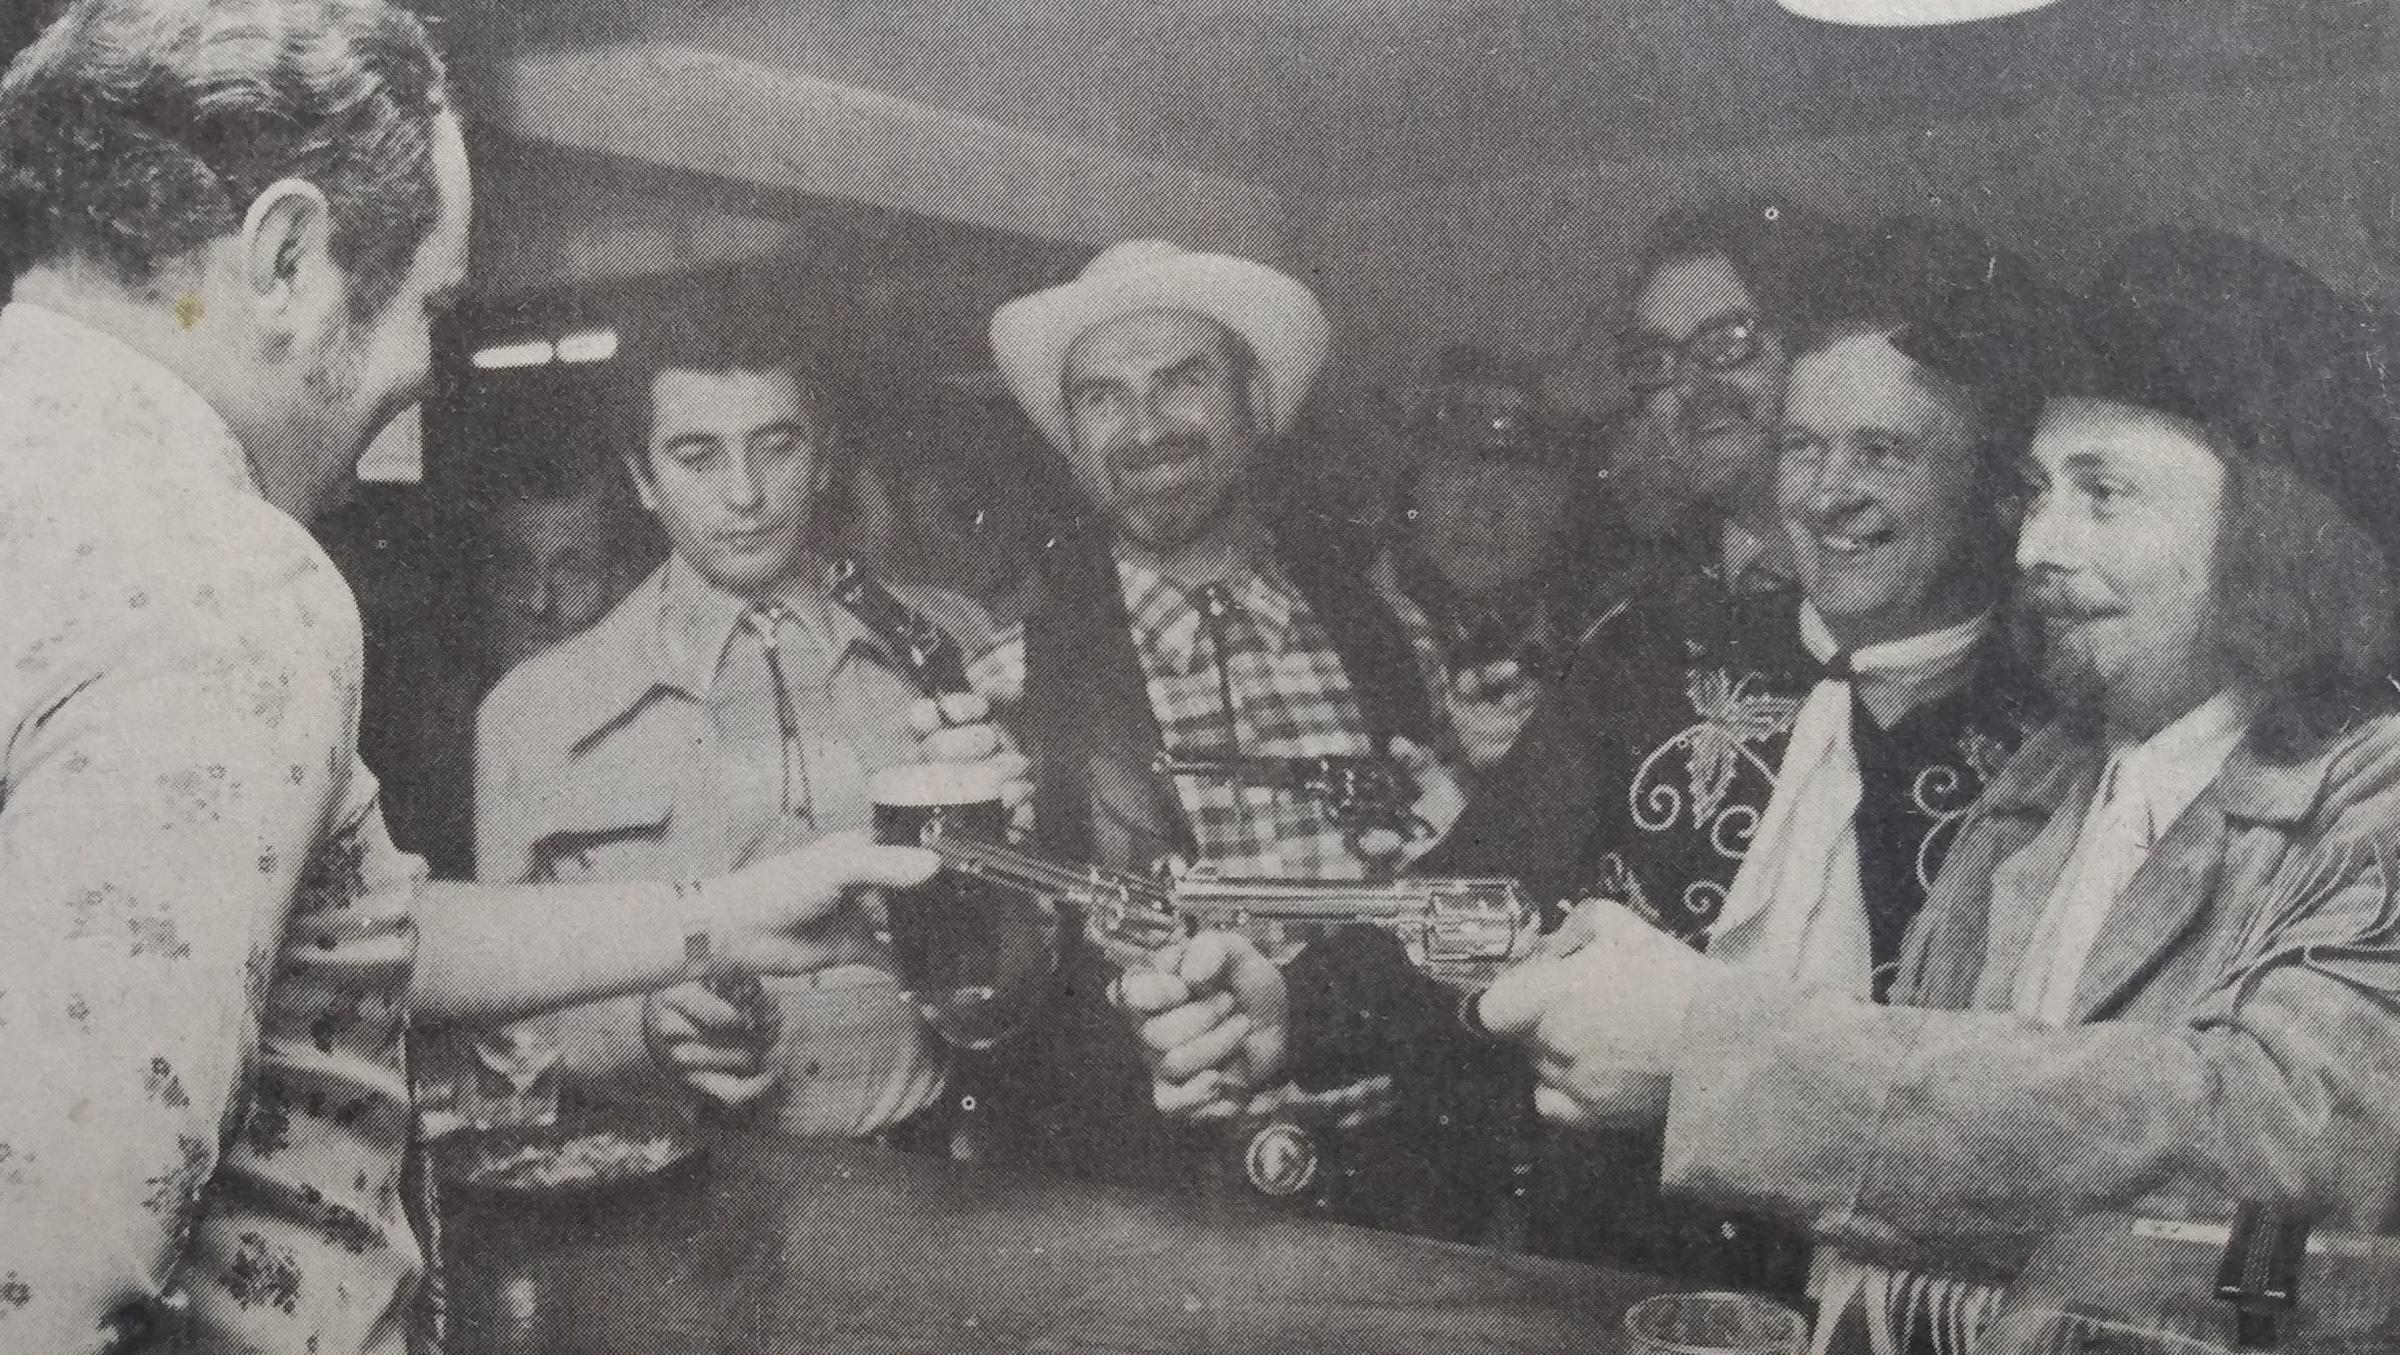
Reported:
(779, 1247)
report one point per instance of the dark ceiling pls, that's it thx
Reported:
(1354, 97)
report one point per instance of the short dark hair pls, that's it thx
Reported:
(715, 343)
(134, 132)
(1793, 261)
(2300, 602)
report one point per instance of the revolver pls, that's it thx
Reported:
(1358, 795)
(1461, 931)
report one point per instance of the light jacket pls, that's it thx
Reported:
(594, 762)
(2235, 1035)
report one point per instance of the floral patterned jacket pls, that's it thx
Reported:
(205, 933)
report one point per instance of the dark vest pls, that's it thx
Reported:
(1682, 716)
(1071, 1094)
(1086, 720)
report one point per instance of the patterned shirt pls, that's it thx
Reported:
(1290, 698)
(206, 942)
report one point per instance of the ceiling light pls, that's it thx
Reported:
(531, 353)
(590, 345)
(1907, 13)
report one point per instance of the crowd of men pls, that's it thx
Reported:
(1963, 709)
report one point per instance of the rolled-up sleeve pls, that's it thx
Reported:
(1960, 1139)
(178, 749)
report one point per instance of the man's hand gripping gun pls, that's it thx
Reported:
(1461, 931)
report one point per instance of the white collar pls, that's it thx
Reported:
(94, 370)
(1897, 676)
(2172, 767)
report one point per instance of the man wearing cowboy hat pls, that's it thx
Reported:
(1885, 487)
(1164, 376)
(2157, 972)
(1477, 570)
(1182, 621)
(1694, 556)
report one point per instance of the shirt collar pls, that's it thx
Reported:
(86, 368)
(1166, 621)
(697, 620)
(1899, 676)
(2172, 767)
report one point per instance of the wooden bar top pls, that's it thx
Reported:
(780, 1247)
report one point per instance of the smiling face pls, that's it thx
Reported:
(1878, 482)
(1165, 418)
(733, 469)
(1705, 439)
(2118, 559)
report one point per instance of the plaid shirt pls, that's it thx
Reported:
(1291, 698)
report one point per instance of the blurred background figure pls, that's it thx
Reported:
(1487, 511)
(539, 546)
(959, 494)
(552, 553)
(1477, 568)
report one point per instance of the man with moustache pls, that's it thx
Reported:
(1887, 483)
(233, 225)
(1183, 622)
(725, 710)
(2156, 972)
(1165, 377)
(1706, 574)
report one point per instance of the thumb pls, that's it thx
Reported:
(1517, 999)
(1412, 755)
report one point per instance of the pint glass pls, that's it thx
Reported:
(973, 956)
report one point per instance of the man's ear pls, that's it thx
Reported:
(286, 254)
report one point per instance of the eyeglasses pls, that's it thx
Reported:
(1649, 363)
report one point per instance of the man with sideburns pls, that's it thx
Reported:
(233, 225)
(2156, 973)
(726, 710)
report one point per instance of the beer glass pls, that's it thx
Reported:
(1715, 1324)
(972, 955)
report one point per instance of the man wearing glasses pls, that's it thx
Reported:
(1702, 572)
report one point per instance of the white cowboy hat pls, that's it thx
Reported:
(1279, 318)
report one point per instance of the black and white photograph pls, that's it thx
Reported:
(1199, 677)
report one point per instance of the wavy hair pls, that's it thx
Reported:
(135, 132)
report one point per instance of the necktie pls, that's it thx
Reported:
(766, 787)
(1796, 905)
(1805, 856)
(1217, 610)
